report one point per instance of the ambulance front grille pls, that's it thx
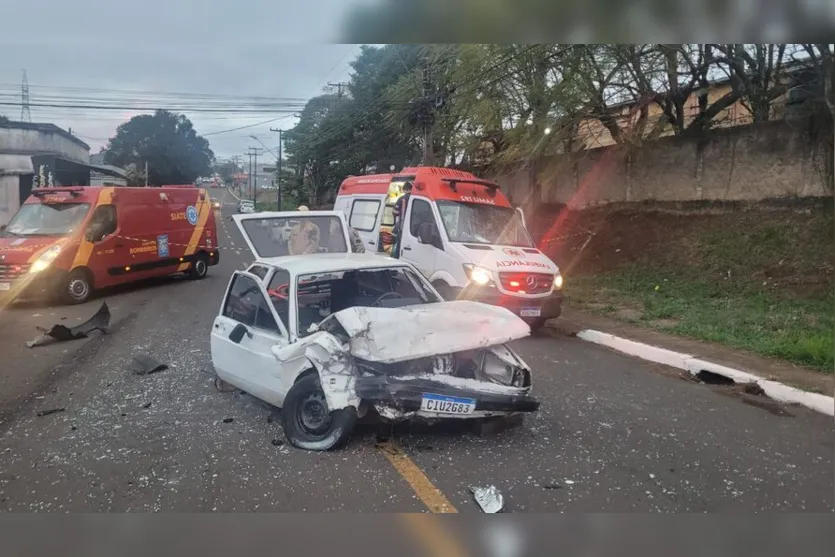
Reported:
(529, 283)
(11, 272)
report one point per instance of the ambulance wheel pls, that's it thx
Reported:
(307, 421)
(200, 268)
(78, 287)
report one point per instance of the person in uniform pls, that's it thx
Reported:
(304, 236)
(400, 207)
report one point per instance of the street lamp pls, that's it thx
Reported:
(547, 131)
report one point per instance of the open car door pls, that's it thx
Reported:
(277, 234)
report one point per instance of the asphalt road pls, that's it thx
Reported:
(613, 434)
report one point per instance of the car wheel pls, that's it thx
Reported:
(536, 324)
(307, 422)
(200, 268)
(78, 287)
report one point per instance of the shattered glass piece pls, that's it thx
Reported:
(488, 498)
(142, 364)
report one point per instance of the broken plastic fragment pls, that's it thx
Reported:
(61, 333)
(143, 364)
(488, 498)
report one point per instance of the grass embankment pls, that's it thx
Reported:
(760, 280)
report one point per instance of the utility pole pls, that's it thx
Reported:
(255, 151)
(25, 113)
(278, 167)
(427, 118)
(249, 175)
(339, 87)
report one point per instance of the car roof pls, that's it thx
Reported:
(324, 262)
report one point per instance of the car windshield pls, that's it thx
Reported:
(320, 295)
(42, 219)
(280, 236)
(483, 224)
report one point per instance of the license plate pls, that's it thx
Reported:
(5, 286)
(530, 312)
(441, 404)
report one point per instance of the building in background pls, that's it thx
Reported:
(44, 155)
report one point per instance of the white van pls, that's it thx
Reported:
(463, 235)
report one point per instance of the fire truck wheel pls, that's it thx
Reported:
(78, 287)
(200, 267)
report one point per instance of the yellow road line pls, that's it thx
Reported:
(430, 532)
(422, 486)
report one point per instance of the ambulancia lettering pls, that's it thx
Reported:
(517, 263)
(485, 200)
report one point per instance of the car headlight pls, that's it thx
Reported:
(45, 260)
(477, 274)
(558, 281)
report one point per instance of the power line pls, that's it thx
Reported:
(247, 126)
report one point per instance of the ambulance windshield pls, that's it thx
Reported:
(483, 224)
(47, 219)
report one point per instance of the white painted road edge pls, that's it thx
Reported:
(693, 365)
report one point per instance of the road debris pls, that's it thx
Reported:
(142, 364)
(61, 333)
(551, 486)
(228, 420)
(488, 498)
(146, 405)
(277, 442)
(43, 413)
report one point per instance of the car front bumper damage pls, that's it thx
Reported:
(401, 398)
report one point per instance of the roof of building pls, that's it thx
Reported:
(44, 128)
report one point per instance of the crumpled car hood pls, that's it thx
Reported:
(390, 335)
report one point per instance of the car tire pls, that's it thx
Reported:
(307, 422)
(78, 287)
(200, 268)
(536, 324)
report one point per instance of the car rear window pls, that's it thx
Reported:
(280, 236)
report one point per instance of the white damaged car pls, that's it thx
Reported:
(329, 335)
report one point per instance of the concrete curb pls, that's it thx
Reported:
(777, 391)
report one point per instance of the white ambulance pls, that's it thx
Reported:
(463, 235)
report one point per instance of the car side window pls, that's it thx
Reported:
(246, 304)
(279, 292)
(421, 213)
(258, 271)
(364, 214)
(102, 223)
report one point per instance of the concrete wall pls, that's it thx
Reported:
(743, 163)
(9, 197)
(40, 142)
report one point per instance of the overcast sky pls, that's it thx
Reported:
(270, 48)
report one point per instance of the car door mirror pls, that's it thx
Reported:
(428, 234)
(237, 334)
(425, 233)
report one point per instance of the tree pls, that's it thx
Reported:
(167, 142)
(4, 119)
